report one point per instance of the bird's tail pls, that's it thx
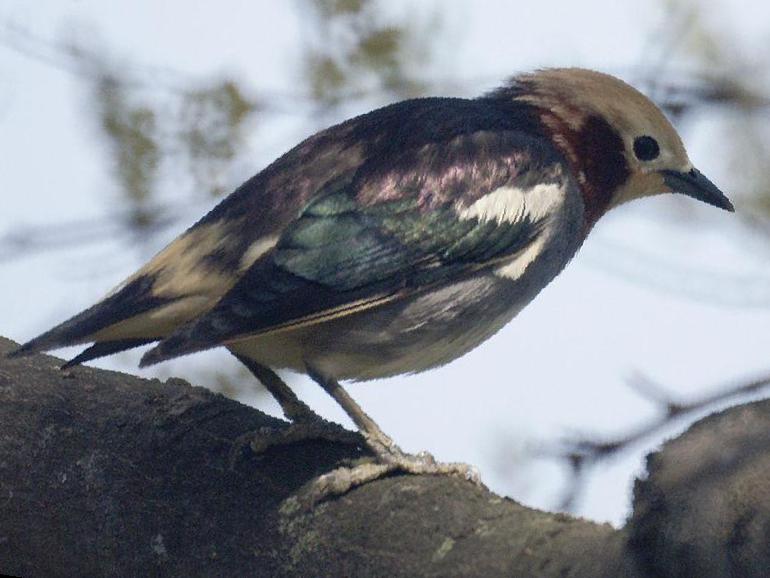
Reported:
(131, 300)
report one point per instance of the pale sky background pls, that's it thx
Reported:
(688, 306)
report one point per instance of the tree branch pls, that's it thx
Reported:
(104, 474)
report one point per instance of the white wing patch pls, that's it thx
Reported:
(511, 204)
(515, 268)
(505, 204)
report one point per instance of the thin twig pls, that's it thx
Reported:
(584, 452)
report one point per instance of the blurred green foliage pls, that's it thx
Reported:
(212, 125)
(350, 50)
(198, 131)
(131, 130)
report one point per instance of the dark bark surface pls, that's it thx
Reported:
(106, 474)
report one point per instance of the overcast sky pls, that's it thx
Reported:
(645, 294)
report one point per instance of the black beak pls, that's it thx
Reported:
(695, 185)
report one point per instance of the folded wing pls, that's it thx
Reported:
(350, 249)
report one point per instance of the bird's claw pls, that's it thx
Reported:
(343, 479)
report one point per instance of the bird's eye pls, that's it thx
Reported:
(646, 148)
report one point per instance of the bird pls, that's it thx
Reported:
(395, 241)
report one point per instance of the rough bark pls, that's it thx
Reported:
(106, 474)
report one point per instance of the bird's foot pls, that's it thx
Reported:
(341, 480)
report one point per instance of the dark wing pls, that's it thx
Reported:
(383, 236)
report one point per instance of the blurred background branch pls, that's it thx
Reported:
(582, 452)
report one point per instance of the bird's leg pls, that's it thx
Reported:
(306, 424)
(293, 408)
(389, 457)
(381, 445)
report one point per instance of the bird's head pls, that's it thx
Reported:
(620, 144)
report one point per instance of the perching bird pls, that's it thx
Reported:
(398, 240)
